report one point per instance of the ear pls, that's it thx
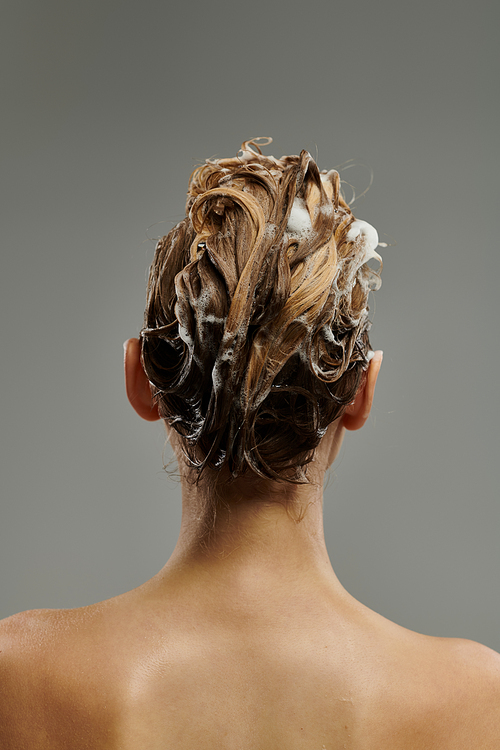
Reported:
(136, 382)
(358, 412)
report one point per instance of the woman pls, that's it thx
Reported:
(255, 353)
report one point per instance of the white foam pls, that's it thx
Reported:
(299, 221)
(369, 237)
(185, 336)
(329, 335)
(270, 230)
(210, 318)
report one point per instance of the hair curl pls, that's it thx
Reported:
(256, 325)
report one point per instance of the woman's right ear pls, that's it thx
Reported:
(358, 412)
(136, 382)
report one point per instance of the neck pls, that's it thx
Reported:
(256, 527)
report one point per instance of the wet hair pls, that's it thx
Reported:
(256, 326)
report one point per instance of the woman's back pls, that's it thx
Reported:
(183, 664)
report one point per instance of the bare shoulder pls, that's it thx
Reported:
(38, 633)
(466, 693)
(435, 693)
(38, 665)
(475, 656)
(479, 667)
(23, 639)
(21, 636)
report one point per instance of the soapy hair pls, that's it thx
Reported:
(256, 325)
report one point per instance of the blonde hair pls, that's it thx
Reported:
(256, 324)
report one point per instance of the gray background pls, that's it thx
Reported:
(107, 106)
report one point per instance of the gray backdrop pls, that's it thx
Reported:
(107, 107)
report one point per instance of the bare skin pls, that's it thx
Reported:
(245, 640)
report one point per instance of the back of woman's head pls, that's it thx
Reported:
(256, 324)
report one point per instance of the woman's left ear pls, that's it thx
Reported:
(358, 412)
(136, 382)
